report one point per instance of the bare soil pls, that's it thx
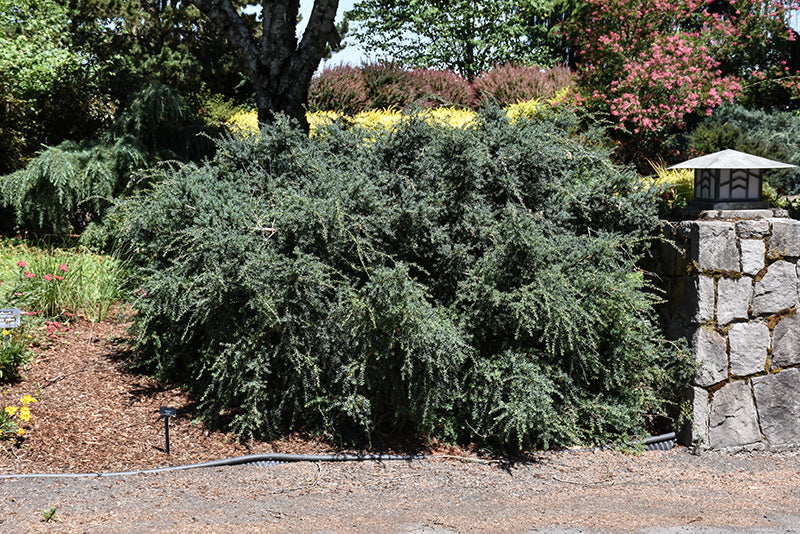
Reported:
(93, 416)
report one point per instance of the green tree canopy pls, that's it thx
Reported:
(137, 42)
(466, 36)
(36, 61)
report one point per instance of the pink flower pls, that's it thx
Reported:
(29, 274)
(62, 267)
(58, 277)
(21, 263)
(48, 277)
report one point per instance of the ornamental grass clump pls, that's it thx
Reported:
(476, 284)
(57, 284)
(46, 286)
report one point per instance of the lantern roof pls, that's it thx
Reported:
(731, 159)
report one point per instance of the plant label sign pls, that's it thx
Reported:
(168, 412)
(9, 318)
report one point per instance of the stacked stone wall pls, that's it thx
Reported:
(732, 288)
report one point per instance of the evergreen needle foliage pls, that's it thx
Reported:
(474, 283)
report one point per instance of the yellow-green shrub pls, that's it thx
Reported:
(680, 180)
(246, 122)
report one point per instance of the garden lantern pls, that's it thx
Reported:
(729, 180)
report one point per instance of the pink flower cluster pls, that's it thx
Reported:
(652, 62)
(678, 77)
(54, 327)
(48, 277)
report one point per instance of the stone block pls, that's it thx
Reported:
(731, 214)
(704, 285)
(732, 419)
(777, 290)
(733, 299)
(692, 299)
(698, 434)
(711, 351)
(786, 342)
(752, 229)
(713, 245)
(778, 400)
(785, 240)
(753, 254)
(748, 348)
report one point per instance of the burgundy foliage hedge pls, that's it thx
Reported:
(379, 85)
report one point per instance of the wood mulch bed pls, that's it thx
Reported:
(93, 415)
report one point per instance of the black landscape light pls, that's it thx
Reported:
(167, 413)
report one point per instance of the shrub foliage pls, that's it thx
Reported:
(68, 186)
(472, 283)
(380, 85)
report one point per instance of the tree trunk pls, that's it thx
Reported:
(279, 67)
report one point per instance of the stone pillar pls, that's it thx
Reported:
(732, 291)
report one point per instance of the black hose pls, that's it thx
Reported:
(239, 460)
(662, 442)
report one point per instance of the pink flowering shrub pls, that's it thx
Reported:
(650, 64)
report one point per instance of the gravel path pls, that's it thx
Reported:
(570, 492)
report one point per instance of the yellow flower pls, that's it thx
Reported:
(11, 410)
(25, 413)
(6, 332)
(27, 399)
(20, 431)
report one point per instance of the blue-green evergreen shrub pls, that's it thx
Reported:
(475, 284)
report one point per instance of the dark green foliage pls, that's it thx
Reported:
(476, 284)
(62, 189)
(14, 354)
(774, 135)
(12, 136)
(68, 186)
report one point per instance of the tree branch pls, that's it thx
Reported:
(278, 40)
(318, 33)
(224, 15)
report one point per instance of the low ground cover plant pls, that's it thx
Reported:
(13, 418)
(14, 355)
(475, 283)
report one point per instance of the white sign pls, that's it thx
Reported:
(9, 318)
